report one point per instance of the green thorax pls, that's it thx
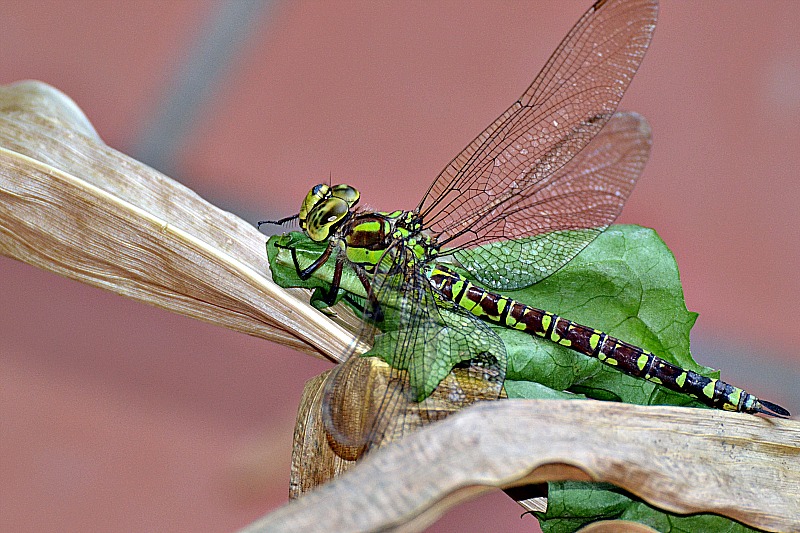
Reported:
(366, 237)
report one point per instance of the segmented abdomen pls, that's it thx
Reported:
(625, 357)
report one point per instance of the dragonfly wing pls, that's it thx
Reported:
(566, 211)
(565, 107)
(421, 339)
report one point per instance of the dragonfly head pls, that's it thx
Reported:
(324, 208)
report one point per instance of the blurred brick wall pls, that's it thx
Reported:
(116, 416)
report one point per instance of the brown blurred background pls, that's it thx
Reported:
(115, 416)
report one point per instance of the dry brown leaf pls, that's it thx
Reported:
(74, 206)
(317, 458)
(616, 526)
(679, 459)
(314, 462)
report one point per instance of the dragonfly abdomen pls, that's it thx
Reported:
(609, 350)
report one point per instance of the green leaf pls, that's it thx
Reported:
(574, 504)
(625, 283)
(284, 272)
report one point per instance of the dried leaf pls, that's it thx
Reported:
(74, 206)
(679, 459)
(617, 526)
(317, 457)
(314, 461)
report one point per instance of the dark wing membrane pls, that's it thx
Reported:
(421, 342)
(564, 211)
(567, 104)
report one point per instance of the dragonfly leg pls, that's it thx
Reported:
(330, 297)
(305, 273)
(373, 307)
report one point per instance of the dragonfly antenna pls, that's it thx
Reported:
(280, 222)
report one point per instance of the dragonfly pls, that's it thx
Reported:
(529, 193)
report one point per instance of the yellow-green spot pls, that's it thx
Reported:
(734, 398)
(546, 319)
(681, 379)
(708, 390)
(501, 305)
(653, 379)
(641, 362)
(475, 308)
(470, 306)
(368, 226)
(610, 362)
(458, 287)
(363, 256)
(554, 334)
(594, 339)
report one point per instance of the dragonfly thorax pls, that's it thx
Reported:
(367, 237)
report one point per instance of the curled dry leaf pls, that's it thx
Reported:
(74, 206)
(616, 526)
(314, 462)
(317, 457)
(678, 459)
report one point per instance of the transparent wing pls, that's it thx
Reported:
(422, 340)
(564, 212)
(512, 164)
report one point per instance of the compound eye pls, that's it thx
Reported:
(324, 217)
(346, 193)
(317, 194)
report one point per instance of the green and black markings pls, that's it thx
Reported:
(609, 350)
